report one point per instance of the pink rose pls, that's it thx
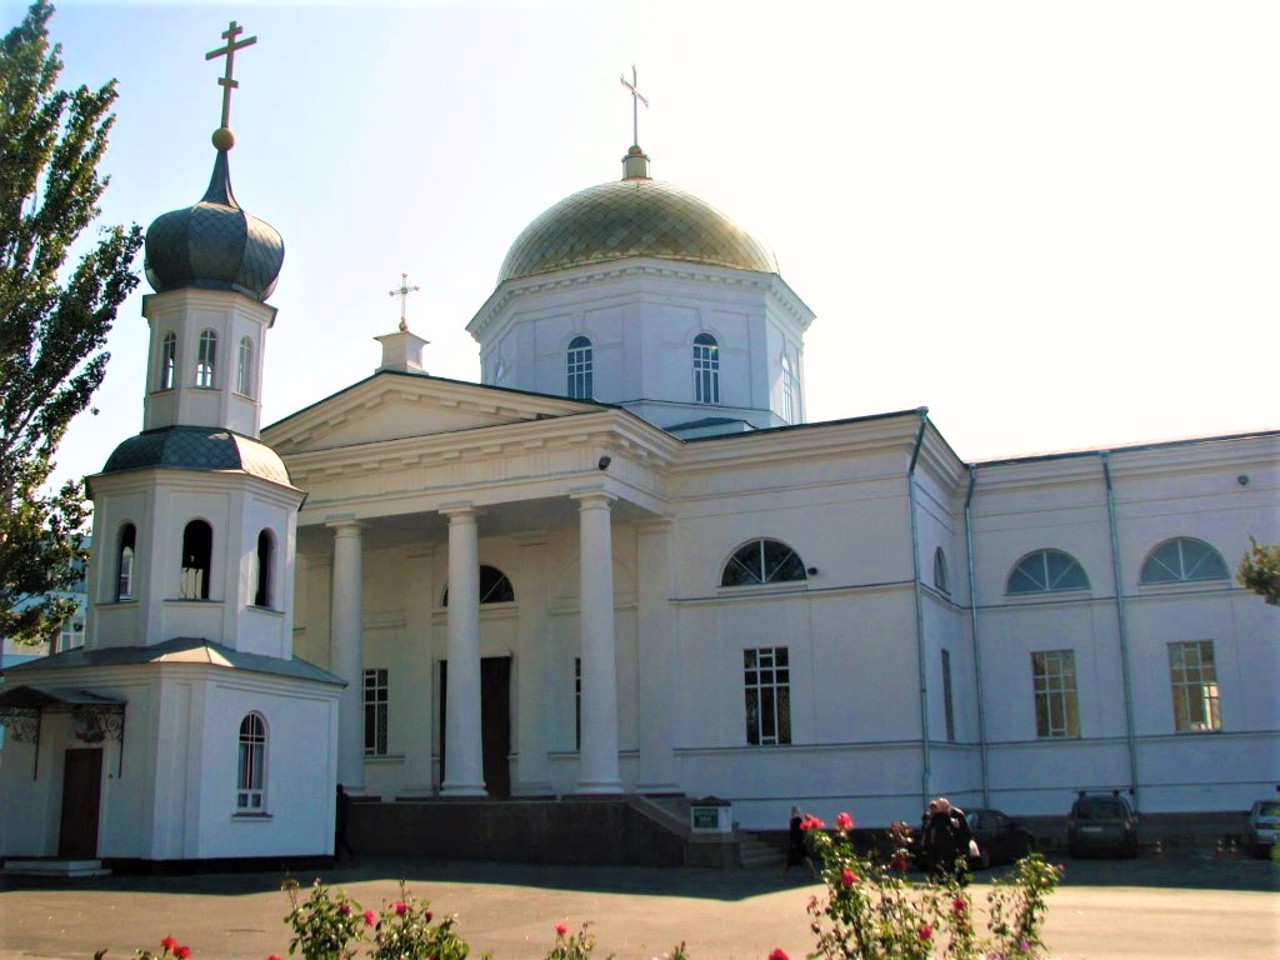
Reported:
(811, 823)
(370, 918)
(848, 879)
(400, 907)
(561, 929)
(844, 822)
(778, 954)
(273, 957)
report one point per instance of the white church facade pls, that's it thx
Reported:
(621, 564)
(842, 614)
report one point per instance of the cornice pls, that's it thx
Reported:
(510, 290)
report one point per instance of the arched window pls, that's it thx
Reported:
(197, 558)
(207, 359)
(940, 578)
(706, 369)
(1181, 559)
(263, 568)
(124, 562)
(251, 780)
(581, 369)
(1047, 571)
(762, 561)
(494, 587)
(244, 368)
(788, 391)
(168, 360)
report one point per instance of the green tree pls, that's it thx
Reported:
(1259, 570)
(54, 317)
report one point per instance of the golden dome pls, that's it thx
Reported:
(636, 217)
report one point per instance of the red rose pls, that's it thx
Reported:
(959, 905)
(182, 953)
(561, 929)
(844, 822)
(370, 918)
(926, 932)
(778, 954)
(273, 957)
(400, 907)
(168, 943)
(848, 879)
(344, 909)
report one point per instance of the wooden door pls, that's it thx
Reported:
(81, 800)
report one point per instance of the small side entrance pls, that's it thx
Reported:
(495, 723)
(81, 803)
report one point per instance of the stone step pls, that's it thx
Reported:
(52, 867)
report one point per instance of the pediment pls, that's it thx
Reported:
(394, 406)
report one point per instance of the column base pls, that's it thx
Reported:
(599, 787)
(463, 790)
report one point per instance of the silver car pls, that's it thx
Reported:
(1264, 821)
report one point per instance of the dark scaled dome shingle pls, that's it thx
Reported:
(214, 244)
(636, 217)
(198, 448)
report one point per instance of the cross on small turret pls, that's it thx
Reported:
(637, 98)
(229, 51)
(403, 292)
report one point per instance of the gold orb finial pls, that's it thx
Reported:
(223, 138)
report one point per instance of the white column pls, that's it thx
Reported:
(464, 753)
(598, 758)
(347, 650)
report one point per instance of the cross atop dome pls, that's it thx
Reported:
(223, 138)
(635, 165)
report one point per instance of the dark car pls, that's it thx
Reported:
(1264, 824)
(999, 837)
(1102, 823)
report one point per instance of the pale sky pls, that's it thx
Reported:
(1057, 225)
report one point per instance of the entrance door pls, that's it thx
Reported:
(495, 723)
(81, 799)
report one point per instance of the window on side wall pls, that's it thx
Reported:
(762, 561)
(580, 370)
(1194, 678)
(251, 779)
(1183, 559)
(767, 682)
(706, 369)
(376, 699)
(1046, 571)
(1053, 680)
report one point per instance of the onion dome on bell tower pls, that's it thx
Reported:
(212, 266)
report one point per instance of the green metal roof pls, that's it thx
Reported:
(637, 217)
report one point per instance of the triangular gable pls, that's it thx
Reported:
(391, 405)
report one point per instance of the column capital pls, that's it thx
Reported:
(589, 497)
(345, 528)
(459, 508)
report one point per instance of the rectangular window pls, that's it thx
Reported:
(767, 680)
(947, 707)
(1195, 686)
(375, 713)
(577, 703)
(1053, 677)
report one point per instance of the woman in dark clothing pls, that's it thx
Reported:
(945, 839)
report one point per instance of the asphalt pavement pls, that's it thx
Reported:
(1224, 908)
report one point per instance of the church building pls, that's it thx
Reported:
(621, 564)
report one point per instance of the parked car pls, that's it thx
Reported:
(1000, 838)
(1102, 823)
(1264, 821)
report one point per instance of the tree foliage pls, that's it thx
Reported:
(1259, 570)
(54, 317)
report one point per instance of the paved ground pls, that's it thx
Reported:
(1187, 906)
